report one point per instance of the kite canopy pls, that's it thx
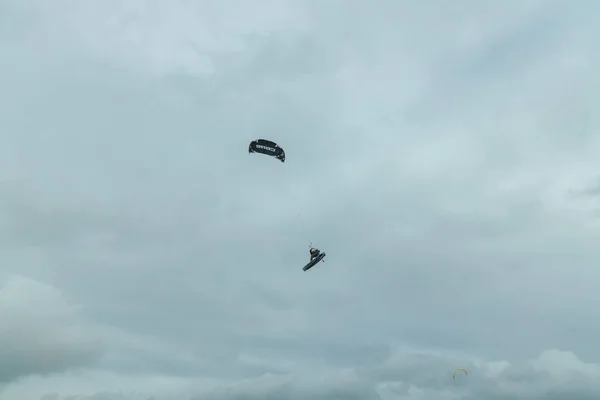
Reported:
(459, 369)
(267, 147)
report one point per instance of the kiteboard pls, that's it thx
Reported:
(314, 262)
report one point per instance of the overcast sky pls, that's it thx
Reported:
(445, 155)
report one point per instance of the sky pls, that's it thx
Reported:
(443, 154)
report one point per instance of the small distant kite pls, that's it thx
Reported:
(459, 369)
(267, 147)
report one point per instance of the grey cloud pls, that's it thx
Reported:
(102, 396)
(552, 376)
(434, 176)
(592, 190)
(31, 220)
(41, 332)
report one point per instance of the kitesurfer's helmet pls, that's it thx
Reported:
(313, 250)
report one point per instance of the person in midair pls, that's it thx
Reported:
(314, 253)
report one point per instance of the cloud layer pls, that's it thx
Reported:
(444, 156)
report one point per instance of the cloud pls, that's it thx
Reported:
(41, 333)
(31, 222)
(424, 376)
(437, 153)
(404, 375)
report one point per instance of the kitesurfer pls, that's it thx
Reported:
(314, 253)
